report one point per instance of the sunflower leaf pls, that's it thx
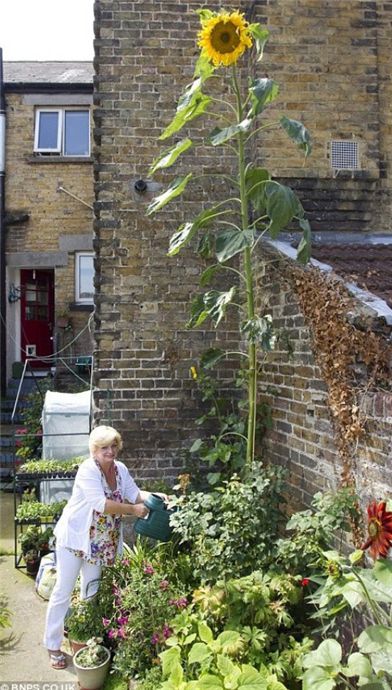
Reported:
(199, 312)
(260, 37)
(205, 14)
(281, 206)
(255, 186)
(185, 233)
(217, 302)
(203, 68)
(212, 304)
(191, 104)
(220, 136)
(208, 274)
(231, 242)
(210, 357)
(304, 250)
(206, 245)
(168, 157)
(262, 92)
(175, 189)
(298, 133)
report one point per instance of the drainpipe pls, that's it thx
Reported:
(3, 301)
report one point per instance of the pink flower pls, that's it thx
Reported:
(180, 603)
(166, 631)
(122, 620)
(105, 622)
(155, 638)
(125, 561)
(148, 569)
(122, 633)
(112, 634)
(163, 584)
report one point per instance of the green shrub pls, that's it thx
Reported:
(233, 529)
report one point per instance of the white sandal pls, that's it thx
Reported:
(57, 661)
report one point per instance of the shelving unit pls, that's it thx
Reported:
(22, 480)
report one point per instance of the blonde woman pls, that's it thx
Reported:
(89, 531)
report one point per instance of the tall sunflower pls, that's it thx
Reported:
(224, 37)
(379, 530)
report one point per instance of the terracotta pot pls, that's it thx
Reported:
(75, 645)
(91, 678)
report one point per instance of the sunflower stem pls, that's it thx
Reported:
(250, 299)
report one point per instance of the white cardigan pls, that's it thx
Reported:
(73, 528)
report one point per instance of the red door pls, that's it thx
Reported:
(37, 312)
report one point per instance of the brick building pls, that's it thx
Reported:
(332, 61)
(48, 212)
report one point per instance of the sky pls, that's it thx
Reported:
(46, 29)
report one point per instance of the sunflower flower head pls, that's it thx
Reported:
(379, 539)
(224, 37)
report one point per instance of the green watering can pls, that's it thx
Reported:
(156, 524)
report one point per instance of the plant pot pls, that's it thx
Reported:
(76, 645)
(91, 678)
(32, 566)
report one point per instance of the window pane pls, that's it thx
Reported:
(48, 127)
(86, 277)
(76, 136)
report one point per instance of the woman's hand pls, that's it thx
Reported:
(140, 510)
(161, 495)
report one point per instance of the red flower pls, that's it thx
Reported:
(379, 530)
(304, 582)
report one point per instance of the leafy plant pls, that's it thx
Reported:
(233, 529)
(35, 539)
(137, 599)
(259, 611)
(34, 510)
(49, 466)
(94, 654)
(351, 587)
(84, 620)
(317, 529)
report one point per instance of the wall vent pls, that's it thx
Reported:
(344, 154)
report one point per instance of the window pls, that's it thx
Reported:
(84, 277)
(62, 132)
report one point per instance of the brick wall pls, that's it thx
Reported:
(325, 57)
(302, 436)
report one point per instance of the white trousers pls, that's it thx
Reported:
(68, 568)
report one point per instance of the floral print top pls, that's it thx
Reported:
(104, 529)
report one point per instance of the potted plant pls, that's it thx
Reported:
(83, 622)
(92, 664)
(34, 544)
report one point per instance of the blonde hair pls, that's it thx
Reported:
(104, 436)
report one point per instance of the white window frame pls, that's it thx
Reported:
(60, 148)
(78, 298)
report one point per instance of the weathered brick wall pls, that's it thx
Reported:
(302, 436)
(143, 351)
(325, 58)
(333, 66)
(54, 217)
